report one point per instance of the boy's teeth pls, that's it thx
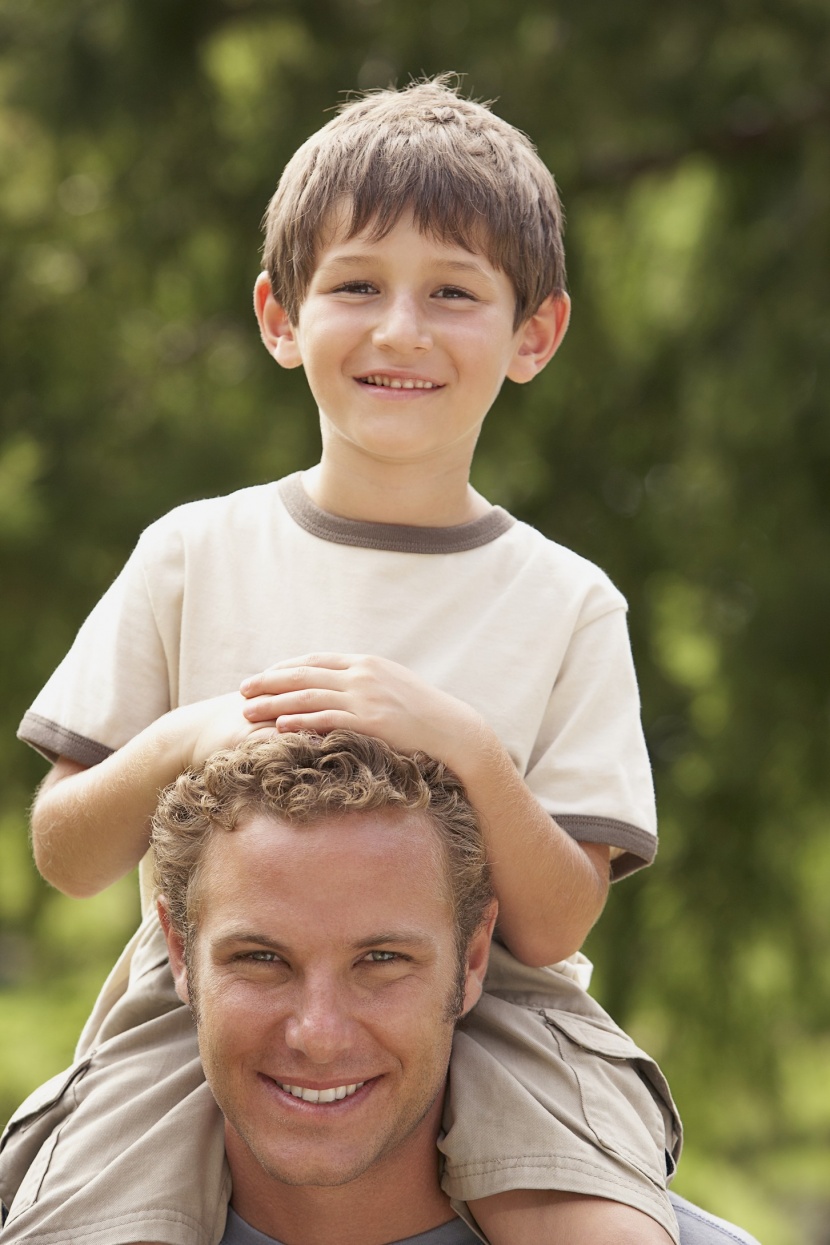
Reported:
(335, 1094)
(392, 382)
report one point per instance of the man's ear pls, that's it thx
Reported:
(275, 328)
(540, 337)
(175, 951)
(478, 955)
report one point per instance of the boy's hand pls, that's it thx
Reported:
(208, 725)
(323, 692)
(550, 888)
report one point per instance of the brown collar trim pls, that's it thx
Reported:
(392, 537)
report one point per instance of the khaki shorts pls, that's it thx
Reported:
(545, 1092)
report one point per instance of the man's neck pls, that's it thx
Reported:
(311, 1218)
(397, 1197)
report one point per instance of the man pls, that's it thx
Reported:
(328, 912)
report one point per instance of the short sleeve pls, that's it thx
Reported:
(590, 768)
(120, 673)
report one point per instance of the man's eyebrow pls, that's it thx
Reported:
(234, 936)
(415, 939)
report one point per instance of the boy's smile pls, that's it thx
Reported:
(406, 341)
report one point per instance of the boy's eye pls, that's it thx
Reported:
(356, 287)
(452, 292)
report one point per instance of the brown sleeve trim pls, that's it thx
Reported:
(638, 846)
(52, 740)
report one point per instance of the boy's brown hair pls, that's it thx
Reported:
(468, 178)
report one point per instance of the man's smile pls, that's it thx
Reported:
(332, 1094)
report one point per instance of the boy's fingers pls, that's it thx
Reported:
(292, 678)
(298, 672)
(300, 701)
(324, 661)
(316, 723)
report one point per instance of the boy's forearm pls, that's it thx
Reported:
(92, 826)
(551, 888)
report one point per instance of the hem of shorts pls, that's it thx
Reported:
(470, 1181)
(161, 1227)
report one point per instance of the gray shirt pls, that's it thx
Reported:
(696, 1228)
(456, 1232)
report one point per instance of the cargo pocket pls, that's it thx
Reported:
(30, 1136)
(626, 1099)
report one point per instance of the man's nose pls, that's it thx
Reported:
(321, 1025)
(402, 325)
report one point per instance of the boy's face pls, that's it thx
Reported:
(406, 342)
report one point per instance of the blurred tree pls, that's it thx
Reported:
(681, 440)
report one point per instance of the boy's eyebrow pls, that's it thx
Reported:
(358, 260)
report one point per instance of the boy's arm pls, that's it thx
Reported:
(551, 889)
(90, 826)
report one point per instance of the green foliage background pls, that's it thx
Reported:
(681, 439)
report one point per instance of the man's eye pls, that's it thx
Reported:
(383, 957)
(260, 957)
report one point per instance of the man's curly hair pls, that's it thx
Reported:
(301, 779)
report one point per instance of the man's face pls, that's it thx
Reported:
(323, 968)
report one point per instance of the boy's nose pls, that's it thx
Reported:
(402, 327)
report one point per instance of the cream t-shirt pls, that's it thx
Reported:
(530, 634)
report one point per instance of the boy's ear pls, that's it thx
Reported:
(539, 338)
(478, 955)
(275, 328)
(175, 951)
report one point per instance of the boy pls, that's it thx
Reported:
(414, 261)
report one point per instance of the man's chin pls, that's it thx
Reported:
(309, 1167)
(329, 1158)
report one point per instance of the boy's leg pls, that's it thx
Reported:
(535, 1217)
(548, 1096)
(133, 1126)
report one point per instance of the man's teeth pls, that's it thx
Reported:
(321, 1095)
(394, 382)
